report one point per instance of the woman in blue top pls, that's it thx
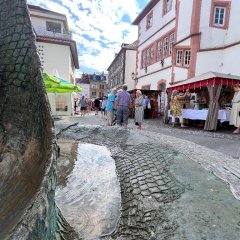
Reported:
(110, 106)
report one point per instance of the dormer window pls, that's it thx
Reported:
(149, 20)
(54, 27)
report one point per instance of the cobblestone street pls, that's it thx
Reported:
(170, 188)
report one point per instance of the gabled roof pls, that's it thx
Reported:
(145, 11)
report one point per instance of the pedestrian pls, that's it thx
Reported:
(123, 102)
(146, 105)
(96, 105)
(235, 112)
(83, 105)
(139, 111)
(176, 107)
(110, 106)
(103, 106)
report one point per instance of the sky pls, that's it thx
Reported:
(99, 27)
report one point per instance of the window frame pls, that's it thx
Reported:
(182, 62)
(165, 10)
(222, 5)
(149, 20)
(184, 57)
(178, 63)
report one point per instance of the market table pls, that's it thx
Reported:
(223, 114)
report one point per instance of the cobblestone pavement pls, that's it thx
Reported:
(165, 194)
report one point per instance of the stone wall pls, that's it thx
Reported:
(27, 159)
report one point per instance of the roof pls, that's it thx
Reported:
(37, 8)
(145, 11)
(131, 45)
(204, 80)
(124, 46)
(84, 80)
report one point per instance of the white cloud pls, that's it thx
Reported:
(97, 27)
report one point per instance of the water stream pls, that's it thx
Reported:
(88, 191)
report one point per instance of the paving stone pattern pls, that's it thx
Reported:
(147, 186)
(147, 189)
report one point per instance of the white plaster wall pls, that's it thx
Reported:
(154, 78)
(233, 34)
(184, 21)
(214, 37)
(209, 61)
(56, 59)
(130, 65)
(158, 21)
(231, 60)
(186, 42)
(180, 73)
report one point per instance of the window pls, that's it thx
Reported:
(159, 51)
(54, 27)
(94, 94)
(94, 86)
(219, 14)
(165, 46)
(171, 40)
(167, 6)
(187, 56)
(149, 20)
(152, 55)
(183, 57)
(179, 57)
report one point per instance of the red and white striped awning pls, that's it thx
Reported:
(209, 78)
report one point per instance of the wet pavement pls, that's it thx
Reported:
(170, 188)
(88, 191)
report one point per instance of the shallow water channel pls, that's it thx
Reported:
(88, 191)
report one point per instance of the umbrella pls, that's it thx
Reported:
(57, 85)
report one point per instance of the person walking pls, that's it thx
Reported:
(110, 106)
(123, 102)
(83, 105)
(96, 105)
(235, 112)
(103, 106)
(139, 111)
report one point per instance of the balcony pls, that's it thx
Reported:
(42, 32)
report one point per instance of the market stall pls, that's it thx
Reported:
(212, 94)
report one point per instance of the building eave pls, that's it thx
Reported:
(145, 11)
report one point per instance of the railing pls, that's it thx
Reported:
(39, 31)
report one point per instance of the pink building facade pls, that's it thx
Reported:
(182, 39)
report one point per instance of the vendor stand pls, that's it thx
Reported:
(211, 88)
